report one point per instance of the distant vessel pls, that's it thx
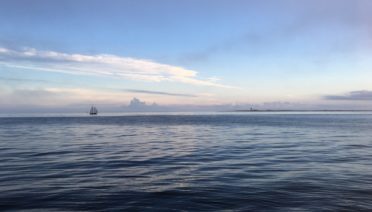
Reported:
(93, 111)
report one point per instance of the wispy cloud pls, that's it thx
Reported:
(307, 18)
(54, 96)
(159, 93)
(363, 95)
(21, 79)
(101, 65)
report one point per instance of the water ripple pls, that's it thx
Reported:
(204, 162)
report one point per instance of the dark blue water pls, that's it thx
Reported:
(187, 162)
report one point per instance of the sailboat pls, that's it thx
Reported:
(93, 111)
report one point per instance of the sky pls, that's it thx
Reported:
(289, 54)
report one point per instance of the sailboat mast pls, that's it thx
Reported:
(93, 110)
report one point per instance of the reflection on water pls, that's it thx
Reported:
(193, 162)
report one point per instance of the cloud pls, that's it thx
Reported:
(32, 97)
(136, 105)
(158, 93)
(362, 95)
(13, 79)
(100, 65)
(21, 79)
(57, 96)
(64, 97)
(302, 19)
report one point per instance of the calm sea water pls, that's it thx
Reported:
(238, 161)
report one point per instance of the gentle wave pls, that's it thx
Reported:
(187, 162)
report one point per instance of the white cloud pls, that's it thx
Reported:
(101, 65)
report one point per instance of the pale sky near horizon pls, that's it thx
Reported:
(198, 52)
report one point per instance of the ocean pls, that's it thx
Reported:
(191, 162)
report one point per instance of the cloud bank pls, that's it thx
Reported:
(101, 65)
(362, 95)
(159, 93)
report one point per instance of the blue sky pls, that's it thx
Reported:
(205, 52)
